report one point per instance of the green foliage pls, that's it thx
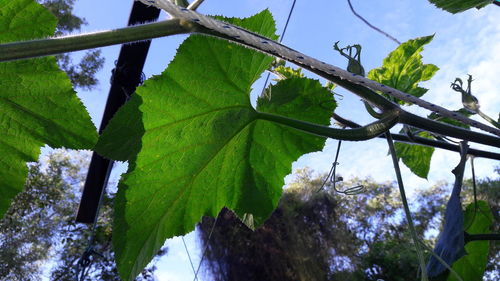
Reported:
(457, 6)
(354, 65)
(478, 220)
(416, 157)
(285, 72)
(462, 111)
(37, 214)
(195, 144)
(82, 75)
(201, 145)
(63, 11)
(320, 235)
(360, 237)
(403, 68)
(38, 103)
(38, 235)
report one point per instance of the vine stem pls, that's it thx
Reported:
(70, 43)
(52, 46)
(369, 131)
(413, 232)
(448, 130)
(416, 140)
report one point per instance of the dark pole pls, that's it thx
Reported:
(127, 75)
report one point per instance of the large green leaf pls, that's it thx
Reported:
(37, 103)
(403, 69)
(477, 220)
(457, 6)
(416, 157)
(195, 144)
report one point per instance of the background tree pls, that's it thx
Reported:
(330, 236)
(39, 229)
(42, 210)
(81, 74)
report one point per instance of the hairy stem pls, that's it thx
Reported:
(44, 47)
(369, 131)
(52, 46)
(416, 140)
(447, 130)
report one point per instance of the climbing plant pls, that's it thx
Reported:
(192, 138)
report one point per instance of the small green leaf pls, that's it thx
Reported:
(200, 145)
(477, 220)
(287, 72)
(416, 157)
(403, 69)
(439, 118)
(457, 6)
(37, 103)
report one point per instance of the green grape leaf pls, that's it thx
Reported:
(403, 69)
(457, 6)
(37, 103)
(416, 157)
(477, 220)
(196, 144)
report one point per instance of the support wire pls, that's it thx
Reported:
(281, 39)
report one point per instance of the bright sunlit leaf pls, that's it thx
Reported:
(403, 69)
(37, 102)
(416, 157)
(195, 143)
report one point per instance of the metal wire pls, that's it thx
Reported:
(371, 25)
(332, 177)
(206, 247)
(189, 257)
(281, 39)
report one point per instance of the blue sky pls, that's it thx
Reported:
(468, 43)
